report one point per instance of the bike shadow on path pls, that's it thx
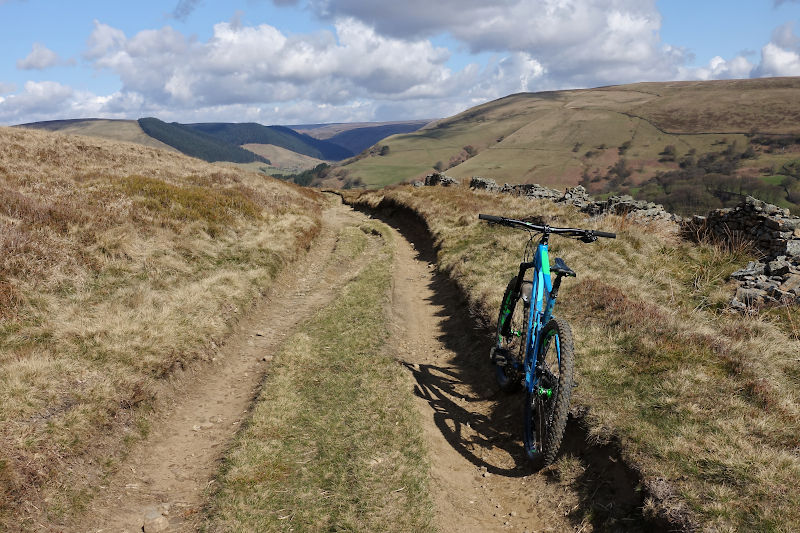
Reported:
(479, 421)
(484, 424)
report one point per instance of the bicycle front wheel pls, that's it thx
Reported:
(547, 405)
(507, 353)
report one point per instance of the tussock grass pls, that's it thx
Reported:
(120, 265)
(334, 442)
(704, 402)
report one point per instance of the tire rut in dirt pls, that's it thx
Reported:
(608, 492)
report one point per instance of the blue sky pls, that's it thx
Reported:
(304, 61)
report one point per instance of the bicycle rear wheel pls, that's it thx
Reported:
(547, 405)
(507, 354)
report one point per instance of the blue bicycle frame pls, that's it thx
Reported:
(543, 299)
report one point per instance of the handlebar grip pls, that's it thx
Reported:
(491, 218)
(605, 234)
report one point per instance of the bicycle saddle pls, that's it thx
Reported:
(561, 268)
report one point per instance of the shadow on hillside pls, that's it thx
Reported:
(609, 493)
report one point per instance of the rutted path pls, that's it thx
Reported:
(479, 479)
(161, 483)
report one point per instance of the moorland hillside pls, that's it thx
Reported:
(114, 130)
(665, 142)
(121, 266)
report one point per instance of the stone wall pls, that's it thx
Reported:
(774, 233)
(577, 196)
(772, 230)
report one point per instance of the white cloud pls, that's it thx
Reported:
(103, 39)
(41, 58)
(781, 56)
(6, 88)
(257, 67)
(776, 61)
(578, 42)
(38, 99)
(719, 68)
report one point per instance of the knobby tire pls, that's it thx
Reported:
(546, 417)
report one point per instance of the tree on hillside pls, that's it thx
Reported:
(668, 154)
(792, 168)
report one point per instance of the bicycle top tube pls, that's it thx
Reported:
(588, 234)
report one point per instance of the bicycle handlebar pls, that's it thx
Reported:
(511, 222)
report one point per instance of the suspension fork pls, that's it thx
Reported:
(514, 295)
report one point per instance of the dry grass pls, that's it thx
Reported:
(115, 130)
(334, 442)
(701, 397)
(119, 265)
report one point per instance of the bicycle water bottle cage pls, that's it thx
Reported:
(561, 268)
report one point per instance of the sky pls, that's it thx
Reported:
(320, 61)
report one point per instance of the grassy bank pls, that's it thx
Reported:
(703, 402)
(333, 443)
(120, 266)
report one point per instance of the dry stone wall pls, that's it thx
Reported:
(775, 279)
(775, 235)
(577, 196)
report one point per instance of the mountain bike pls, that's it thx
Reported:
(534, 348)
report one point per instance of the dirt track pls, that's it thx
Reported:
(480, 480)
(169, 471)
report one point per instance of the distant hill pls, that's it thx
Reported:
(115, 130)
(281, 136)
(282, 158)
(196, 143)
(327, 131)
(610, 137)
(218, 141)
(359, 139)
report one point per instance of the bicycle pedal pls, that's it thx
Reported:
(499, 356)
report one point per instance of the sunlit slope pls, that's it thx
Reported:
(115, 130)
(554, 137)
(769, 105)
(120, 266)
(281, 158)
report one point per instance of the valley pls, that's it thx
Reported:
(191, 344)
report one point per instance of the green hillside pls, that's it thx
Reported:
(563, 138)
(196, 143)
(252, 133)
